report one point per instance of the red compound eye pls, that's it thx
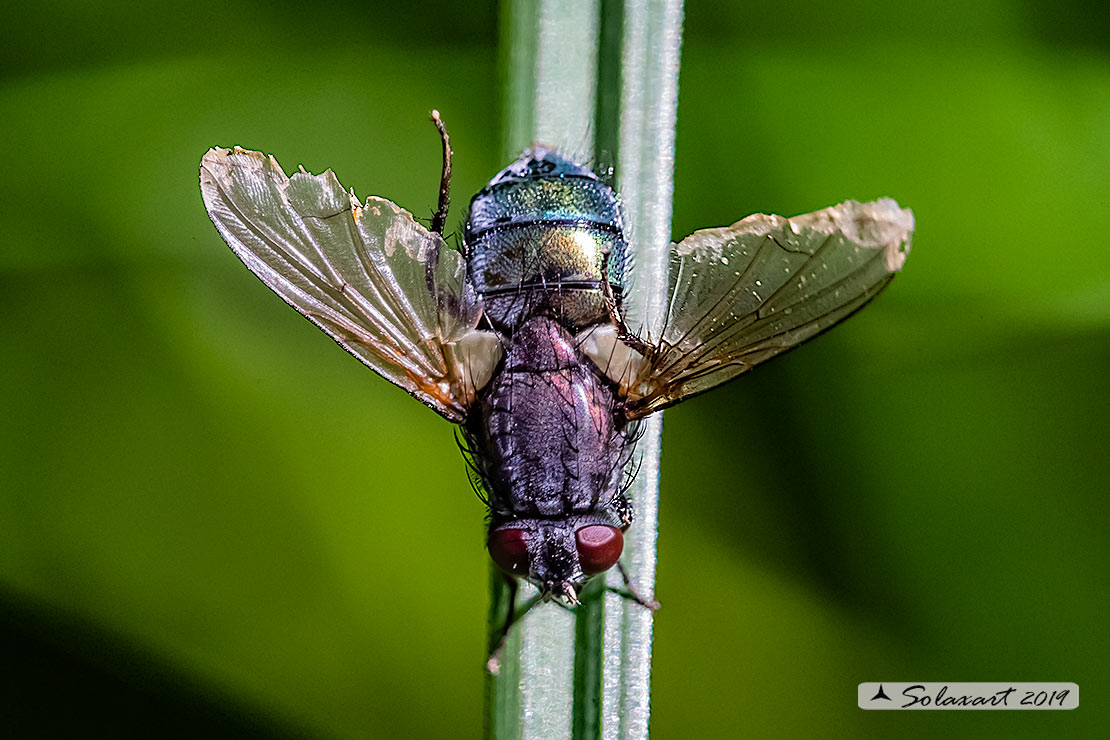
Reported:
(599, 548)
(509, 551)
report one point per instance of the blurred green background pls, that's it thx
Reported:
(214, 523)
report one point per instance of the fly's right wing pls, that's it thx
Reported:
(742, 294)
(381, 285)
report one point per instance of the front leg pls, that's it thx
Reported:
(631, 592)
(512, 616)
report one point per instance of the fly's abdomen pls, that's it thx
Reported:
(537, 236)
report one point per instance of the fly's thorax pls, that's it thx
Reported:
(537, 237)
(548, 436)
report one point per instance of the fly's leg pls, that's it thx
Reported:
(630, 592)
(512, 616)
(624, 334)
(493, 665)
(439, 220)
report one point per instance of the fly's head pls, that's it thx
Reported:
(557, 555)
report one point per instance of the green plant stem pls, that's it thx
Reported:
(652, 35)
(597, 80)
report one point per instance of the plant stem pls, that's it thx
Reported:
(596, 80)
(652, 35)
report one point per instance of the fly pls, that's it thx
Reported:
(519, 336)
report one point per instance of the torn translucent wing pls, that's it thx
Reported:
(745, 293)
(385, 288)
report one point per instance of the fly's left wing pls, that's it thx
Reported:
(386, 289)
(742, 294)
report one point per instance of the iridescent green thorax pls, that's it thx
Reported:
(536, 238)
